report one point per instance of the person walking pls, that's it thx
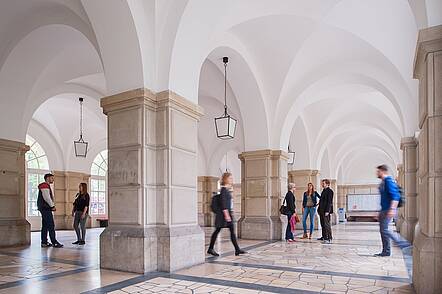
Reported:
(80, 213)
(291, 209)
(309, 202)
(325, 209)
(224, 214)
(390, 197)
(46, 205)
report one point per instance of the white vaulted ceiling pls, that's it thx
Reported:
(332, 78)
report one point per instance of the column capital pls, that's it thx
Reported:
(265, 153)
(14, 146)
(429, 40)
(152, 100)
(303, 172)
(408, 142)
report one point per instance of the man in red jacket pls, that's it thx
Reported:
(46, 205)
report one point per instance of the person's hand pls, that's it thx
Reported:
(54, 209)
(228, 219)
(327, 214)
(83, 215)
(391, 213)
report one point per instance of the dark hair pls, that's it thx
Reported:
(47, 176)
(383, 167)
(326, 181)
(84, 187)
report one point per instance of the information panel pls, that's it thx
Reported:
(363, 202)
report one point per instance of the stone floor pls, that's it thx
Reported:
(306, 266)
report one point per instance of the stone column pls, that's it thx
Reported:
(409, 153)
(65, 188)
(152, 182)
(427, 251)
(301, 178)
(401, 213)
(14, 228)
(263, 186)
(206, 187)
(334, 187)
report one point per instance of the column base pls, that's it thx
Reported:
(427, 263)
(142, 250)
(15, 232)
(260, 228)
(407, 229)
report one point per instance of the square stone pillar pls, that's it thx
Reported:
(427, 251)
(152, 183)
(14, 228)
(301, 178)
(401, 211)
(263, 187)
(334, 187)
(65, 189)
(207, 186)
(409, 153)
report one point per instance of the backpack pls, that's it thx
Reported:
(402, 199)
(215, 203)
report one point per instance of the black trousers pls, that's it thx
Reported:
(326, 226)
(47, 225)
(232, 236)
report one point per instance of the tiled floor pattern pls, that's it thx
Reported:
(306, 266)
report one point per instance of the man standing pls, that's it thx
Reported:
(325, 209)
(45, 204)
(390, 197)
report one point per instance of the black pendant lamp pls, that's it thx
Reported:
(80, 146)
(225, 125)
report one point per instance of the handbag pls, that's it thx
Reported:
(284, 209)
(297, 220)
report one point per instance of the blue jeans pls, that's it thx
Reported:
(288, 230)
(387, 235)
(309, 211)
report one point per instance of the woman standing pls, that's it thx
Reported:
(309, 203)
(291, 209)
(80, 213)
(224, 214)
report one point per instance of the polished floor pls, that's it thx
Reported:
(306, 266)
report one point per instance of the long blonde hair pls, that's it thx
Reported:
(224, 178)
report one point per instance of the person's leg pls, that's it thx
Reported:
(321, 220)
(233, 236)
(83, 227)
(44, 228)
(76, 224)
(288, 230)
(383, 228)
(327, 228)
(51, 227)
(213, 238)
(312, 219)
(304, 220)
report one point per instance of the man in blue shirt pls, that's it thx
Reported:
(390, 197)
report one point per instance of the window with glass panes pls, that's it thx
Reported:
(36, 166)
(98, 184)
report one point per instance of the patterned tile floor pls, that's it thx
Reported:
(306, 266)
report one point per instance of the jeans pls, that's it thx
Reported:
(80, 224)
(47, 225)
(309, 211)
(326, 226)
(288, 230)
(232, 237)
(387, 235)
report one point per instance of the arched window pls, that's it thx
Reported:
(37, 166)
(98, 184)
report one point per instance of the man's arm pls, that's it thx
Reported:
(395, 197)
(47, 197)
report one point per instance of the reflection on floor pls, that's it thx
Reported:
(306, 266)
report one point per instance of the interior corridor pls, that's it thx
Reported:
(306, 266)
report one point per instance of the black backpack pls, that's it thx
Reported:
(215, 205)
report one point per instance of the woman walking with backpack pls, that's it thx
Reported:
(222, 206)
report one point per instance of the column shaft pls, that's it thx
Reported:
(207, 186)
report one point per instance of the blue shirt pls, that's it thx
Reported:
(389, 192)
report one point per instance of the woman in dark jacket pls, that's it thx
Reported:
(224, 215)
(309, 203)
(80, 213)
(291, 207)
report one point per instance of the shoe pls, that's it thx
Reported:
(290, 241)
(81, 243)
(76, 243)
(310, 236)
(212, 252)
(326, 242)
(382, 254)
(58, 245)
(240, 251)
(305, 236)
(320, 239)
(45, 245)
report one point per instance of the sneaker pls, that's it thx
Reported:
(240, 251)
(326, 241)
(76, 243)
(45, 245)
(58, 245)
(320, 239)
(212, 252)
(382, 254)
(81, 243)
